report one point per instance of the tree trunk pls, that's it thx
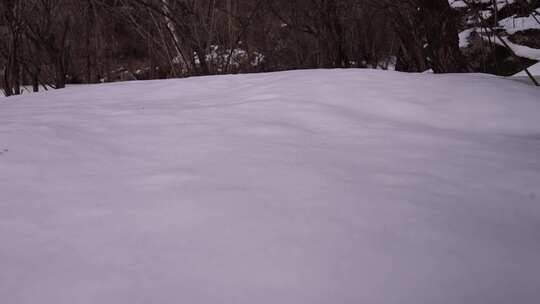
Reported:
(6, 83)
(60, 81)
(35, 83)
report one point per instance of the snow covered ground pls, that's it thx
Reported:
(523, 77)
(345, 186)
(534, 70)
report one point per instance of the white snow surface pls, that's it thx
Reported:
(515, 24)
(337, 186)
(464, 37)
(461, 4)
(534, 70)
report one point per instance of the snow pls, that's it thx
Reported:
(510, 25)
(534, 70)
(457, 3)
(523, 77)
(328, 186)
(464, 37)
(515, 24)
(520, 50)
(461, 4)
(221, 57)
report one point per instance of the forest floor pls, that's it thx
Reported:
(325, 186)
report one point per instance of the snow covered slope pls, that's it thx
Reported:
(523, 77)
(343, 186)
(534, 70)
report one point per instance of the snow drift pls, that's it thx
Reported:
(343, 186)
